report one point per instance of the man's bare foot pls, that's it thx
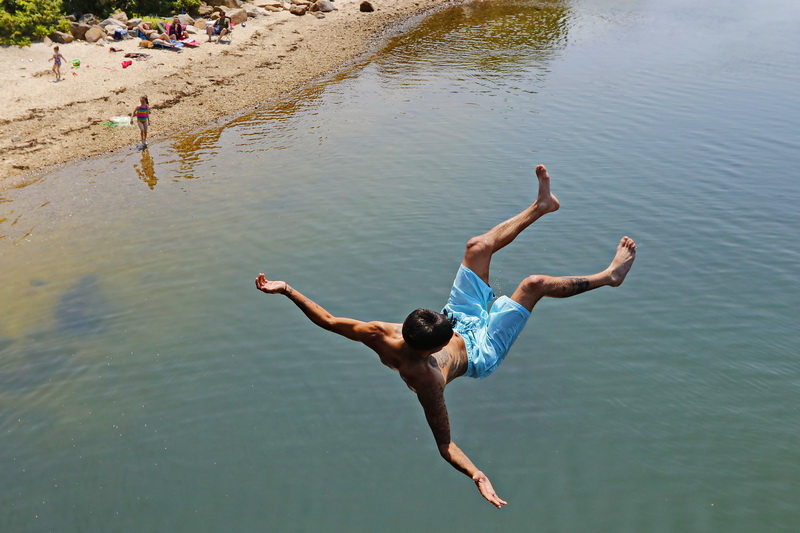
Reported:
(545, 200)
(623, 260)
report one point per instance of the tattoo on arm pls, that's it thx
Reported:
(432, 400)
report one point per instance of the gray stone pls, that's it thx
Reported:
(325, 6)
(254, 11)
(132, 23)
(114, 22)
(88, 18)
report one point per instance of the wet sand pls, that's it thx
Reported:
(48, 123)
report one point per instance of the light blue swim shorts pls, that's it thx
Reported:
(488, 334)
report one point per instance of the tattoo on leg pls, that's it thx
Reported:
(577, 286)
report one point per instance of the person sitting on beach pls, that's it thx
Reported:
(176, 30)
(471, 336)
(221, 27)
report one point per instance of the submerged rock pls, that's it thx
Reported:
(82, 309)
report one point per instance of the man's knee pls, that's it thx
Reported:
(478, 246)
(533, 285)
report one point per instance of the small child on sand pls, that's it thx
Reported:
(142, 114)
(57, 59)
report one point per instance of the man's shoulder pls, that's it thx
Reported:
(384, 329)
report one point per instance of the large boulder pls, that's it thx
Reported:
(323, 5)
(226, 3)
(186, 20)
(132, 23)
(78, 30)
(61, 37)
(115, 23)
(237, 16)
(205, 10)
(94, 34)
(253, 11)
(120, 16)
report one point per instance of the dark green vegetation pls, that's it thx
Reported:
(23, 21)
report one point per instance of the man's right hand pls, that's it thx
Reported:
(487, 491)
(270, 287)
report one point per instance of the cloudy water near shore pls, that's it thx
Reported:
(145, 385)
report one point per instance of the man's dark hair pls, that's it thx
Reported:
(424, 329)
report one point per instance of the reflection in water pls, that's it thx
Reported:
(191, 147)
(486, 38)
(147, 172)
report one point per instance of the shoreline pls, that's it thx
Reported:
(49, 124)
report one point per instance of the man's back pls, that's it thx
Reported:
(417, 370)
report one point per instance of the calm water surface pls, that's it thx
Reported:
(145, 385)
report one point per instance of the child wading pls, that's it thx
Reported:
(57, 59)
(142, 114)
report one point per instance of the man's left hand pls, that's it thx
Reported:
(485, 486)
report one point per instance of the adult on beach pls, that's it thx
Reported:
(176, 30)
(142, 115)
(221, 27)
(471, 336)
(146, 31)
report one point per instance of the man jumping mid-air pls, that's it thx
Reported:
(468, 338)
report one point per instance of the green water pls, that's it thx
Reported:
(145, 385)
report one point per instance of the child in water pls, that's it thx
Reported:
(57, 59)
(142, 115)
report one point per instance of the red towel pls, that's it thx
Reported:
(126, 64)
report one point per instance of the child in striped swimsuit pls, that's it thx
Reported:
(57, 59)
(142, 115)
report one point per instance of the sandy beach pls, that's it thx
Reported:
(48, 123)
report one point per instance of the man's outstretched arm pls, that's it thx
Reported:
(432, 400)
(347, 327)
